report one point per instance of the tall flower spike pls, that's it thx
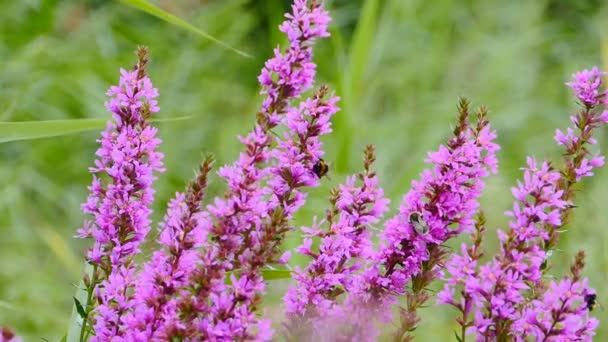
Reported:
(440, 206)
(505, 290)
(120, 198)
(346, 241)
(156, 313)
(562, 313)
(292, 169)
(461, 268)
(245, 228)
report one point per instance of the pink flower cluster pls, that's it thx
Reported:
(343, 246)
(205, 281)
(587, 87)
(7, 335)
(562, 313)
(446, 199)
(120, 197)
(495, 297)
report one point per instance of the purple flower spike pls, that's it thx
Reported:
(291, 169)
(347, 240)
(562, 312)
(162, 278)
(586, 86)
(508, 297)
(294, 69)
(120, 199)
(439, 206)
(246, 227)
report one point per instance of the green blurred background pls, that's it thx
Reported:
(399, 66)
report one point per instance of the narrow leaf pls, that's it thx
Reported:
(28, 130)
(276, 274)
(363, 40)
(267, 274)
(79, 308)
(151, 9)
(76, 318)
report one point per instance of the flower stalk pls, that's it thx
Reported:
(121, 194)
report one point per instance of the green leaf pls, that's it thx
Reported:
(64, 338)
(352, 77)
(28, 130)
(458, 338)
(76, 318)
(151, 9)
(276, 274)
(79, 308)
(268, 274)
(363, 41)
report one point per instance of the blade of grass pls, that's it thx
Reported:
(604, 48)
(268, 274)
(361, 47)
(276, 274)
(60, 248)
(28, 130)
(151, 9)
(352, 77)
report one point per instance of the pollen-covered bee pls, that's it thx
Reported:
(590, 301)
(320, 168)
(417, 221)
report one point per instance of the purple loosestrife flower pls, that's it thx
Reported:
(587, 87)
(294, 69)
(346, 240)
(503, 291)
(292, 169)
(443, 202)
(7, 335)
(463, 272)
(120, 197)
(246, 227)
(155, 312)
(562, 313)
(518, 264)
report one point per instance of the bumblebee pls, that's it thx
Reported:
(417, 221)
(590, 301)
(320, 168)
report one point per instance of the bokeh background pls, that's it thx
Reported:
(399, 66)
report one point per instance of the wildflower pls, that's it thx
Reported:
(506, 303)
(587, 85)
(562, 313)
(166, 274)
(121, 194)
(7, 335)
(246, 227)
(346, 241)
(446, 197)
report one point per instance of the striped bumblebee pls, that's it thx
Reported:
(417, 221)
(590, 301)
(320, 168)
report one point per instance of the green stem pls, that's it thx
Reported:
(85, 319)
(463, 334)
